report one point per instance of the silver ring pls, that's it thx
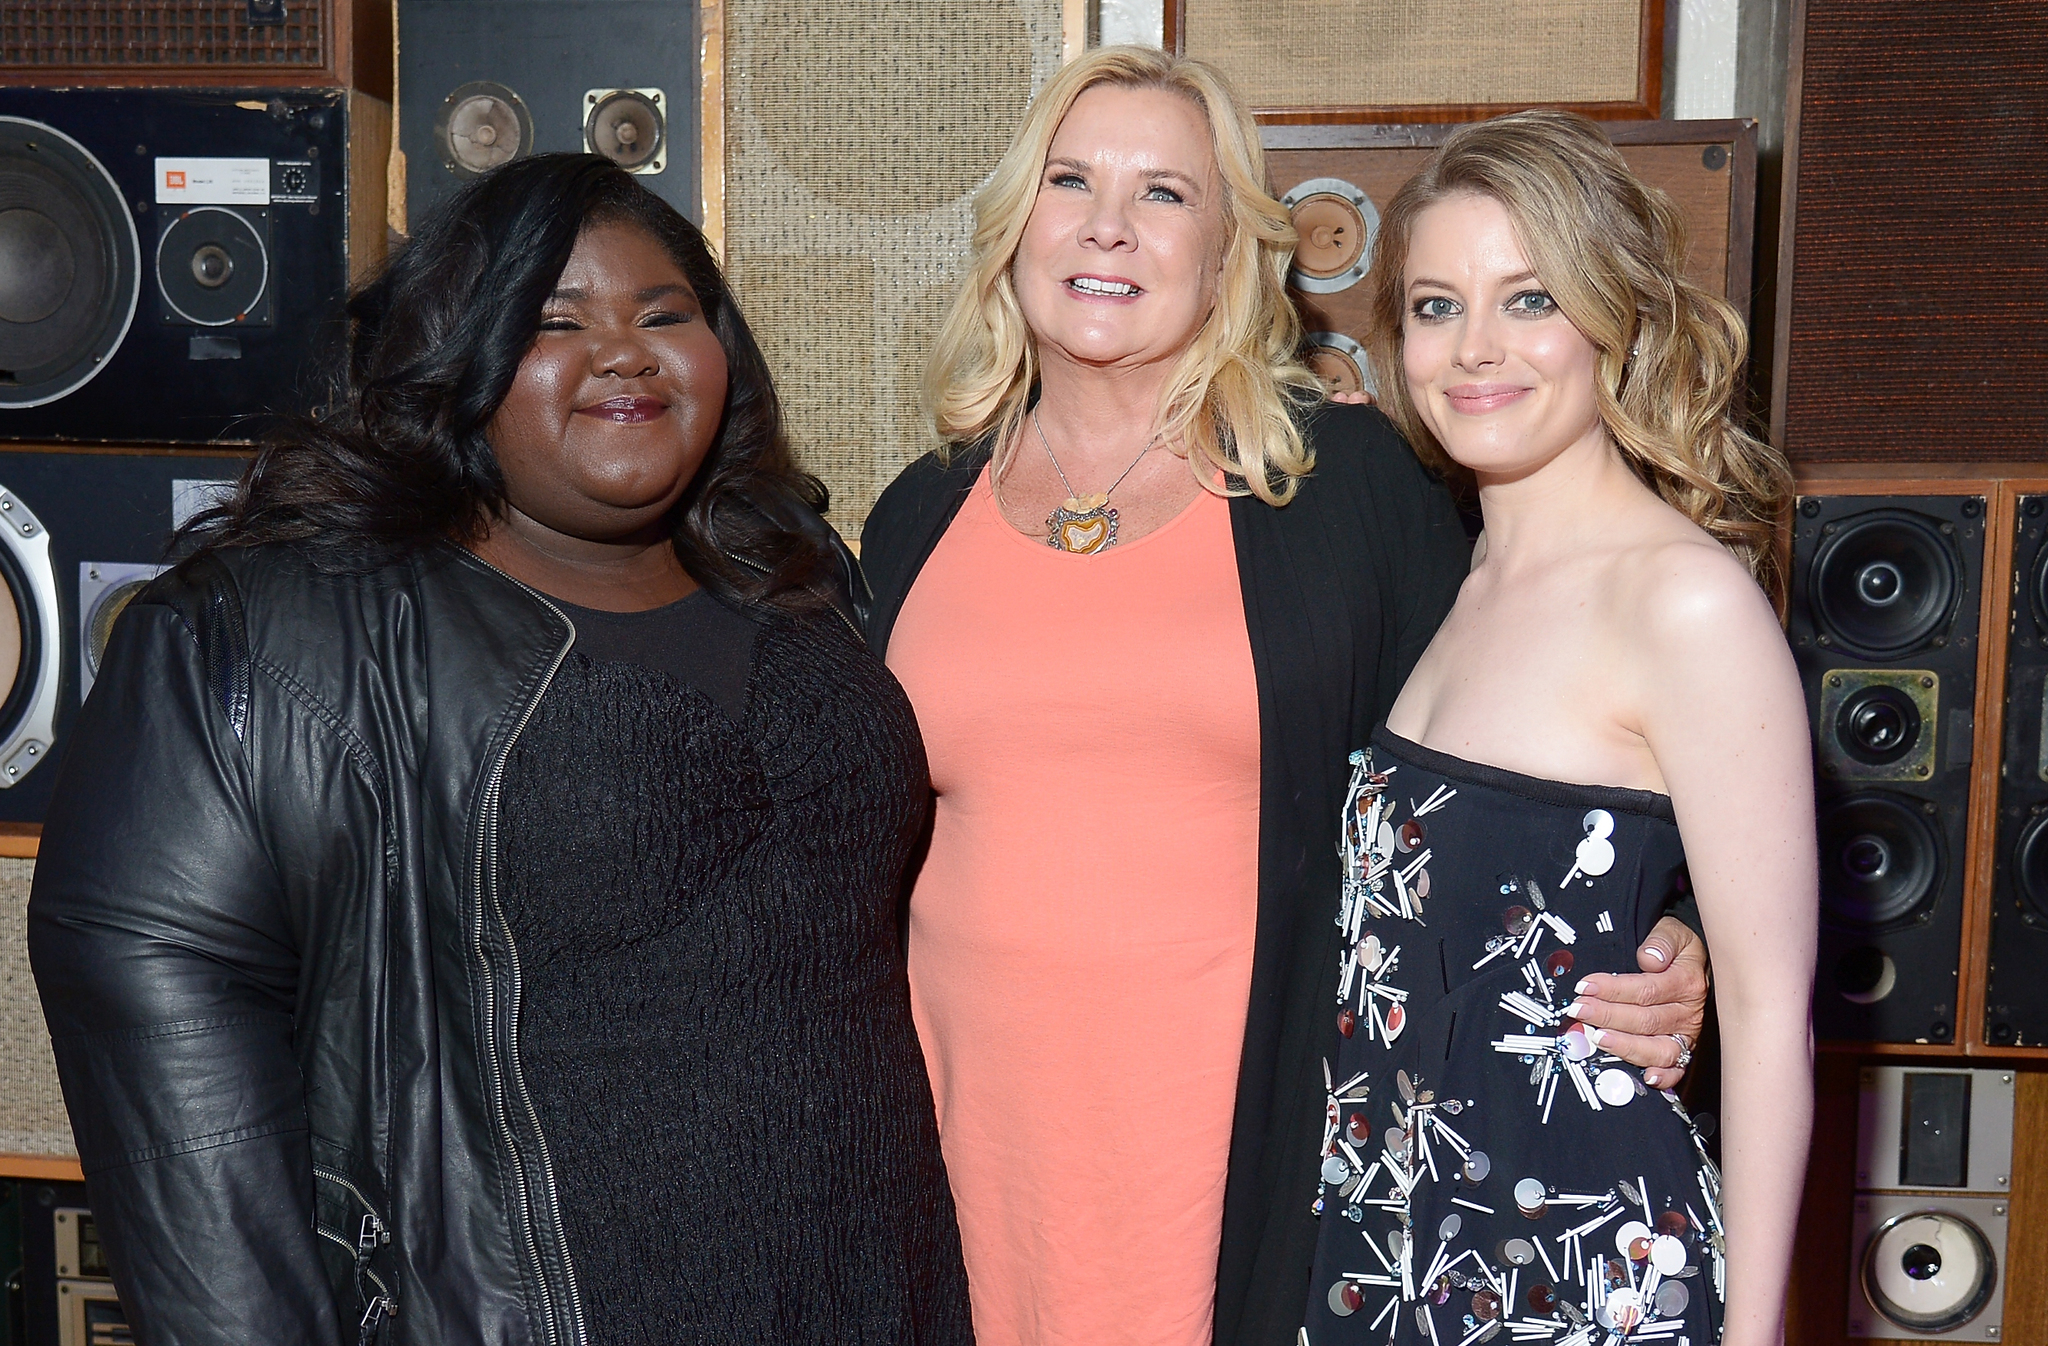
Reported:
(1684, 1050)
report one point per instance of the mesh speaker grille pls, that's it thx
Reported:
(32, 1117)
(157, 34)
(1919, 258)
(855, 137)
(1420, 53)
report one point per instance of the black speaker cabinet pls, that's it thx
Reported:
(2016, 994)
(484, 81)
(80, 534)
(60, 1290)
(1885, 600)
(169, 258)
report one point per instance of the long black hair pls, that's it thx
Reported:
(399, 460)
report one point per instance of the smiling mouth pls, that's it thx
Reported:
(625, 410)
(1095, 285)
(1479, 398)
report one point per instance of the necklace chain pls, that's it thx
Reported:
(1071, 492)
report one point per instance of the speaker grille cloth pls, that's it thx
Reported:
(1413, 53)
(855, 136)
(1919, 294)
(32, 1118)
(164, 34)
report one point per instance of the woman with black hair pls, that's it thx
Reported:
(468, 908)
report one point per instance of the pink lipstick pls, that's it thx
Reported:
(1476, 399)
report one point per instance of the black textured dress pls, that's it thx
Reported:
(1488, 1173)
(700, 869)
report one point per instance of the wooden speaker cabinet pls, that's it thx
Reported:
(228, 43)
(1337, 177)
(2003, 781)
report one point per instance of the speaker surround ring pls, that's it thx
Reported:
(628, 127)
(1339, 362)
(1885, 583)
(1348, 215)
(480, 125)
(28, 707)
(1911, 1255)
(75, 215)
(212, 268)
(1881, 860)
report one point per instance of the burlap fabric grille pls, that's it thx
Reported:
(855, 136)
(32, 1119)
(163, 34)
(1401, 53)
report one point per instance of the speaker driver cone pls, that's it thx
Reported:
(1878, 725)
(211, 266)
(1336, 223)
(1929, 1271)
(1885, 583)
(481, 125)
(1880, 860)
(2030, 865)
(626, 126)
(1339, 362)
(70, 264)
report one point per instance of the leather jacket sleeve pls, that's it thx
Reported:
(168, 972)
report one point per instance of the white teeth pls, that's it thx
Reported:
(1090, 285)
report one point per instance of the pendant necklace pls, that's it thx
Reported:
(1084, 524)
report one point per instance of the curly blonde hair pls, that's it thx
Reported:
(1611, 251)
(1233, 395)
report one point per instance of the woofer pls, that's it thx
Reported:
(1880, 860)
(1336, 222)
(213, 268)
(1929, 1271)
(1339, 362)
(70, 264)
(481, 125)
(628, 127)
(29, 642)
(1885, 583)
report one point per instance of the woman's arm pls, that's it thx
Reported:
(168, 976)
(1722, 710)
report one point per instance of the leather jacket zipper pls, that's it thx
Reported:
(487, 876)
(760, 569)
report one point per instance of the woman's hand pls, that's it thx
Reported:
(1642, 1016)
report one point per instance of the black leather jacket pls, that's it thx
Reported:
(281, 992)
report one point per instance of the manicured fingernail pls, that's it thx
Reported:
(1657, 952)
(1571, 1011)
(1596, 1036)
(1652, 1078)
(1584, 986)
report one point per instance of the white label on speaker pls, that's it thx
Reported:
(213, 182)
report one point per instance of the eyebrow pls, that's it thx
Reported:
(1421, 281)
(647, 295)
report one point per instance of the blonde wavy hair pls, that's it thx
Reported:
(1232, 396)
(1611, 251)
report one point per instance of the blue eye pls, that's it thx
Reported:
(1535, 303)
(1435, 308)
(1164, 194)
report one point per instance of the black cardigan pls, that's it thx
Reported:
(1343, 589)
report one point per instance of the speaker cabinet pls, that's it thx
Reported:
(1911, 194)
(80, 534)
(1884, 616)
(1336, 178)
(281, 43)
(169, 258)
(2016, 993)
(482, 83)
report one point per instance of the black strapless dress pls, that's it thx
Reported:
(1488, 1173)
